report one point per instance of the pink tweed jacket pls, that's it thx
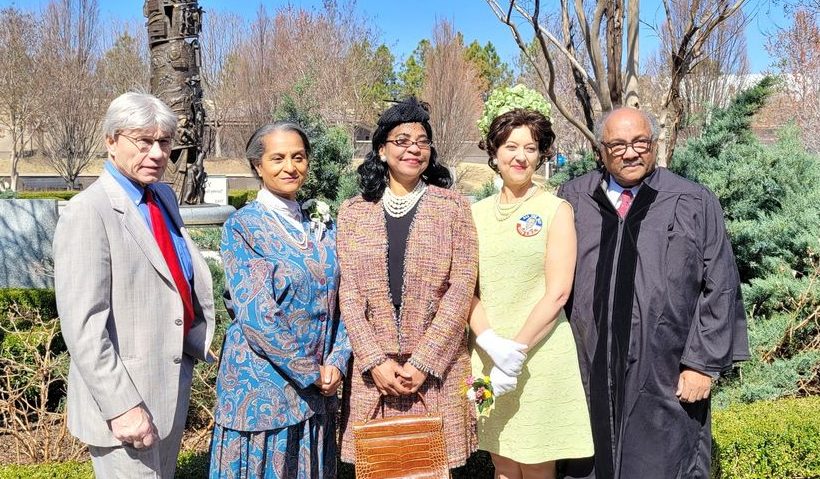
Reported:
(440, 267)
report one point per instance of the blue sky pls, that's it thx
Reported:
(402, 24)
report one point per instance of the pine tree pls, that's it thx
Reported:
(771, 198)
(770, 193)
(331, 153)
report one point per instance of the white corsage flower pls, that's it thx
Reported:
(319, 213)
(471, 394)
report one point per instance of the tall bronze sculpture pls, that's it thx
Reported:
(173, 32)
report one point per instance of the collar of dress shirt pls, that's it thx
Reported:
(133, 190)
(613, 191)
(289, 209)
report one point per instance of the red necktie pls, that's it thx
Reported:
(626, 202)
(166, 245)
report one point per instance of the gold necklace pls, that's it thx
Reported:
(505, 210)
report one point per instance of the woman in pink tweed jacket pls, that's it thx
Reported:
(408, 256)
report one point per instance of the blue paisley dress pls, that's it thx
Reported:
(271, 420)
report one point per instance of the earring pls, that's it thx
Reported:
(495, 161)
(383, 158)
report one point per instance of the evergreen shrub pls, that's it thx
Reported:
(46, 195)
(485, 190)
(771, 200)
(57, 470)
(190, 465)
(207, 238)
(238, 198)
(330, 177)
(40, 300)
(767, 439)
(573, 169)
(770, 193)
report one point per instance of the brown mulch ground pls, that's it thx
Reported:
(11, 452)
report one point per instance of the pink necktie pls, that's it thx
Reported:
(626, 202)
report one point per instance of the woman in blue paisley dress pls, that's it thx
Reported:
(285, 351)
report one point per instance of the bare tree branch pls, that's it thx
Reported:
(797, 53)
(452, 88)
(631, 94)
(70, 132)
(547, 79)
(613, 80)
(19, 98)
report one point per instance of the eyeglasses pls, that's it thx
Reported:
(145, 143)
(423, 144)
(618, 148)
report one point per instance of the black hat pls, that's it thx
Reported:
(409, 110)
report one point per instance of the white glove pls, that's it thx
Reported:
(506, 354)
(502, 383)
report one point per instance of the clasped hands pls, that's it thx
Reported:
(135, 427)
(508, 358)
(394, 380)
(329, 380)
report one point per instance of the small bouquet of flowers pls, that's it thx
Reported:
(319, 213)
(480, 390)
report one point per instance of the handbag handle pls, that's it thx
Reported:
(380, 402)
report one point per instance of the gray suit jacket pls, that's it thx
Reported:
(121, 314)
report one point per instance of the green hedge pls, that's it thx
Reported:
(46, 195)
(206, 238)
(768, 439)
(190, 466)
(62, 470)
(238, 198)
(41, 300)
(193, 465)
(763, 440)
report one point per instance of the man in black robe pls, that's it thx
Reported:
(656, 309)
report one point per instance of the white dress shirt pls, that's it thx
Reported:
(614, 190)
(289, 209)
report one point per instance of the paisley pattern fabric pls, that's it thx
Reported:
(286, 325)
(304, 451)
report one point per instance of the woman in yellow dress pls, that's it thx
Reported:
(527, 252)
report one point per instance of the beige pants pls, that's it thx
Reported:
(125, 462)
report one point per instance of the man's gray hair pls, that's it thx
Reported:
(255, 148)
(138, 111)
(654, 128)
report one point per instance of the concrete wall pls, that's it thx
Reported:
(26, 232)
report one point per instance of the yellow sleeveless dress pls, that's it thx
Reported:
(546, 417)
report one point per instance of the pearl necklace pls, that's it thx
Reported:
(398, 206)
(301, 242)
(505, 210)
(283, 208)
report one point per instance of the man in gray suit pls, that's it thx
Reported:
(135, 300)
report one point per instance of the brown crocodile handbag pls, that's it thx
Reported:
(410, 446)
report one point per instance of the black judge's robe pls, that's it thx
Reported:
(653, 293)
